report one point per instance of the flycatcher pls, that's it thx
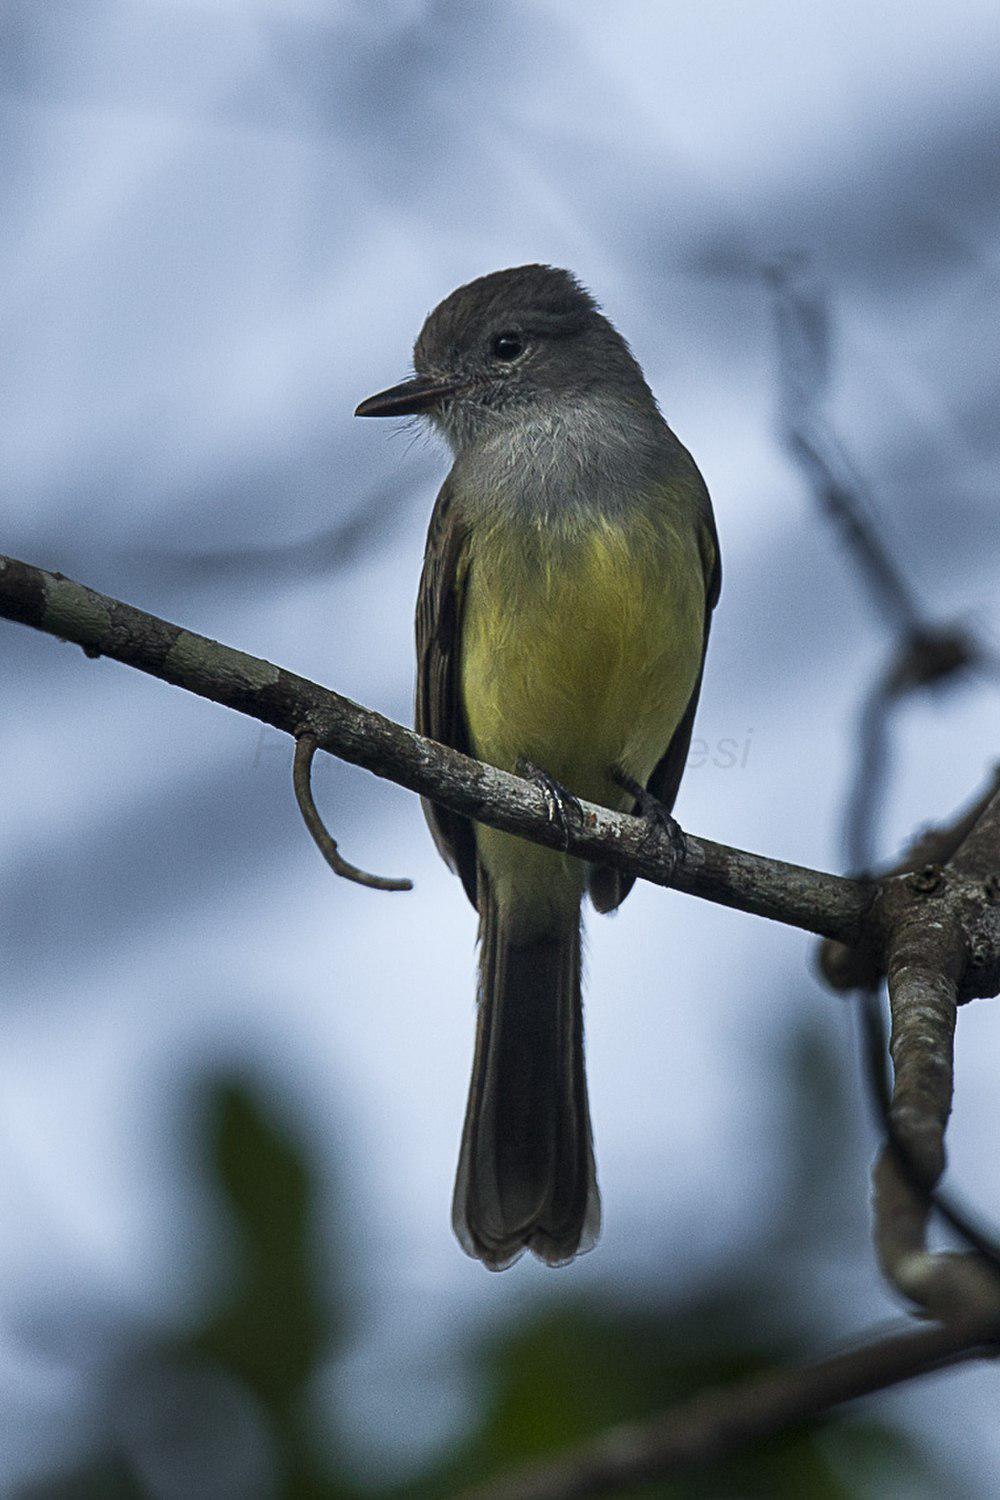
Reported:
(570, 573)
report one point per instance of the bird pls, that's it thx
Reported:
(569, 578)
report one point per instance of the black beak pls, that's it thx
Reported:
(404, 400)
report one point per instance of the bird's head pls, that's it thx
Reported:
(504, 345)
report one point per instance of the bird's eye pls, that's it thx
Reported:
(507, 346)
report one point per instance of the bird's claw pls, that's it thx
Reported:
(655, 813)
(561, 803)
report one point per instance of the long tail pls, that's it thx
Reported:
(526, 1173)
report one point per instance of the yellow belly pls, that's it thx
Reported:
(579, 653)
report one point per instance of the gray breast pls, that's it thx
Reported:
(567, 456)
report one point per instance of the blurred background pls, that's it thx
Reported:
(231, 1087)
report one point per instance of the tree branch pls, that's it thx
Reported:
(828, 905)
(715, 1424)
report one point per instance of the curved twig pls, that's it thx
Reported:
(305, 750)
(926, 959)
(915, 1176)
(926, 658)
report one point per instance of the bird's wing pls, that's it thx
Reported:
(439, 713)
(666, 777)
(608, 887)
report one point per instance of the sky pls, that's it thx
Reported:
(224, 225)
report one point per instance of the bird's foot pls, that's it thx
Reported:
(655, 813)
(562, 805)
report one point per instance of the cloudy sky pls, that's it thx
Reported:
(224, 222)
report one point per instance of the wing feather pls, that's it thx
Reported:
(439, 714)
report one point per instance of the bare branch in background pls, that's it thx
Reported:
(925, 655)
(922, 660)
(802, 320)
(305, 750)
(716, 1424)
(871, 772)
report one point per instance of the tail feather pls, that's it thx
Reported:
(526, 1176)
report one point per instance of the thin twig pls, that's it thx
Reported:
(802, 323)
(926, 654)
(716, 1424)
(839, 499)
(870, 775)
(305, 750)
(925, 659)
